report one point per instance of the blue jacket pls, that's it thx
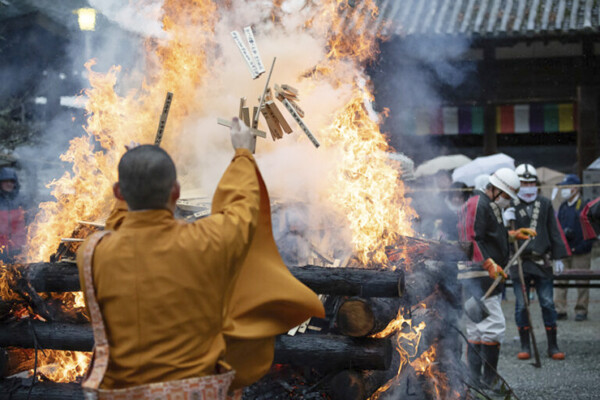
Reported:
(568, 216)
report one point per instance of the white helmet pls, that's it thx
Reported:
(526, 173)
(506, 180)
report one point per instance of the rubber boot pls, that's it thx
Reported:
(553, 351)
(525, 353)
(491, 353)
(474, 361)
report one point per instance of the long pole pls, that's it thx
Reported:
(262, 98)
(536, 353)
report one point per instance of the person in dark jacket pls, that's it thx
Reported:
(569, 218)
(480, 222)
(12, 216)
(533, 211)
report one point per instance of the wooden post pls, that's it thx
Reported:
(490, 138)
(588, 123)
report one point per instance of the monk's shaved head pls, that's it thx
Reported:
(146, 176)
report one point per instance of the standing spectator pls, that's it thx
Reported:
(12, 216)
(533, 211)
(568, 216)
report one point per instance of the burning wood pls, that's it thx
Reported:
(14, 360)
(163, 119)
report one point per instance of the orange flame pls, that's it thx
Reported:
(408, 338)
(364, 187)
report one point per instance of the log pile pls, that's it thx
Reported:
(336, 356)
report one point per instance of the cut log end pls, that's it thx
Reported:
(355, 318)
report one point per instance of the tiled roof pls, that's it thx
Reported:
(490, 18)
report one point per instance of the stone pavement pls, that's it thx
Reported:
(577, 377)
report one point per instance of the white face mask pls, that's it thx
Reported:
(452, 206)
(502, 202)
(565, 193)
(528, 193)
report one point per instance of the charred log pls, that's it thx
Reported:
(356, 385)
(18, 389)
(63, 277)
(15, 360)
(53, 277)
(49, 335)
(326, 351)
(333, 352)
(359, 317)
(350, 281)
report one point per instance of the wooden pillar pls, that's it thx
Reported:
(588, 123)
(490, 139)
(588, 110)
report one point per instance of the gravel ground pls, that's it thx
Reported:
(577, 377)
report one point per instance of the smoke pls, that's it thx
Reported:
(413, 76)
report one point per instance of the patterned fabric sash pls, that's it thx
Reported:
(212, 387)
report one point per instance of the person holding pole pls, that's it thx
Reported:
(480, 222)
(533, 211)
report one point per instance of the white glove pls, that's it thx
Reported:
(241, 136)
(509, 215)
(559, 267)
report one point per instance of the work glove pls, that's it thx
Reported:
(559, 267)
(509, 215)
(521, 234)
(493, 269)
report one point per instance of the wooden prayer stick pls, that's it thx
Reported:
(94, 224)
(254, 49)
(246, 54)
(163, 119)
(274, 127)
(301, 123)
(262, 98)
(274, 111)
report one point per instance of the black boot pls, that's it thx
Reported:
(474, 361)
(553, 351)
(491, 353)
(525, 353)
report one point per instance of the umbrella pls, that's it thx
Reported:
(482, 165)
(434, 165)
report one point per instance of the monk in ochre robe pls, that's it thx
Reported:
(178, 299)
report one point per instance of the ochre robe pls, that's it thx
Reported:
(177, 297)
